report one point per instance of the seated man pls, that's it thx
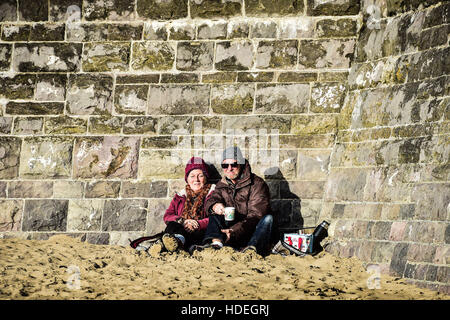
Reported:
(250, 196)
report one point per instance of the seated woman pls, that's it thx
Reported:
(186, 217)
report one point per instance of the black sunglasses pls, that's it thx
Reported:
(233, 165)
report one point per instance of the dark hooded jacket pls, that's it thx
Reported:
(251, 198)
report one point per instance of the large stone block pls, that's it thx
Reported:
(102, 189)
(30, 189)
(90, 94)
(105, 125)
(215, 8)
(328, 28)
(175, 125)
(46, 157)
(234, 55)
(15, 32)
(109, 10)
(264, 29)
(166, 10)
(102, 57)
(212, 30)
(318, 54)
(10, 214)
(295, 28)
(158, 164)
(5, 56)
(106, 157)
(140, 125)
(195, 56)
(431, 201)
(35, 108)
(51, 87)
(273, 8)
(8, 10)
(277, 54)
(313, 165)
(17, 86)
(65, 10)
(9, 157)
(45, 215)
(33, 11)
(178, 30)
(232, 99)
(84, 215)
(124, 215)
(156, 210)
(313, 124)
(248, 123)
(80, 31)
(64, 189)
(178, 99)
(47, 32)
(155, 30)
(47, 57)
(65, 125)
(148, 56)
(332, 8)
(130, 99)
(346, 184)
(328, 97)
(282, 98)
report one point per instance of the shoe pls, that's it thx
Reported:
(249, 249)
(171, 243)
(216, 245)
(156, 248)
(198, 247)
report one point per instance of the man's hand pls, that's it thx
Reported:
(219, 208)
(227, 233)
(190, 225)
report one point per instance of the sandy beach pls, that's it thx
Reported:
(66, 268)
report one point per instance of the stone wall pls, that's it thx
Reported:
(341, 106)
(388, 192)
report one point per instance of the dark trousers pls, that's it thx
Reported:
(260, 239)
(195, 237)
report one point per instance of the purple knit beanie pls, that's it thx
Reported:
(196, 163)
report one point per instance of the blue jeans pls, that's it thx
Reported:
(260, 239)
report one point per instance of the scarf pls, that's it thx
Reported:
(193, 206)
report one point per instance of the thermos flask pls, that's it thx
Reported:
(320, 233)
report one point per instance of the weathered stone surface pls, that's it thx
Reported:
(102, 189)
(309, 141)
(195, 56)
(173, 125)
(215, 8)
(68, 189)
(9, 157)
(334, 8)
(101, 57)
(17, 86)
(124, 215)
(89, 94)
(278, 54)
(159, 142)
(155, 9)
(431, 201)
(156, 210)
(137, 189)
(140, 125)
(180, 78)
(10, 214)
(301, 189)
(313, 165)
(255, 76)
(34, 11)
(212, 30)
(16, 32)
(282, 98)
(138, 78)
(50, 87)
(298, 27)
(130, 99)
(45, 215)
(47, 57)
(331, 53)
(65, 125)
(264, 29)
(102, 125)
(125, 32)
(292, 76)
(232, 99)
(30, 189)
(5, 56)
(6, 124)
(269, 122)
(110, 10)
(155, 30)
(35, 108)
(47, 32)
(327, 97)
(152, 56)
(65, 10)
(237, 29)
(180, 30)
(346, 184)
(328, 28)
(46, 157)
(80, 31)
(234, 55)
(154, 164)
(84, 215)
(271, 8)
(106, 157)
(8, 10)
(178, 99)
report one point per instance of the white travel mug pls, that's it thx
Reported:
(229, 213)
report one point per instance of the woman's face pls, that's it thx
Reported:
(196, 180)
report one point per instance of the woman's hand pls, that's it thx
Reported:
(219, 208)
(190, 225)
